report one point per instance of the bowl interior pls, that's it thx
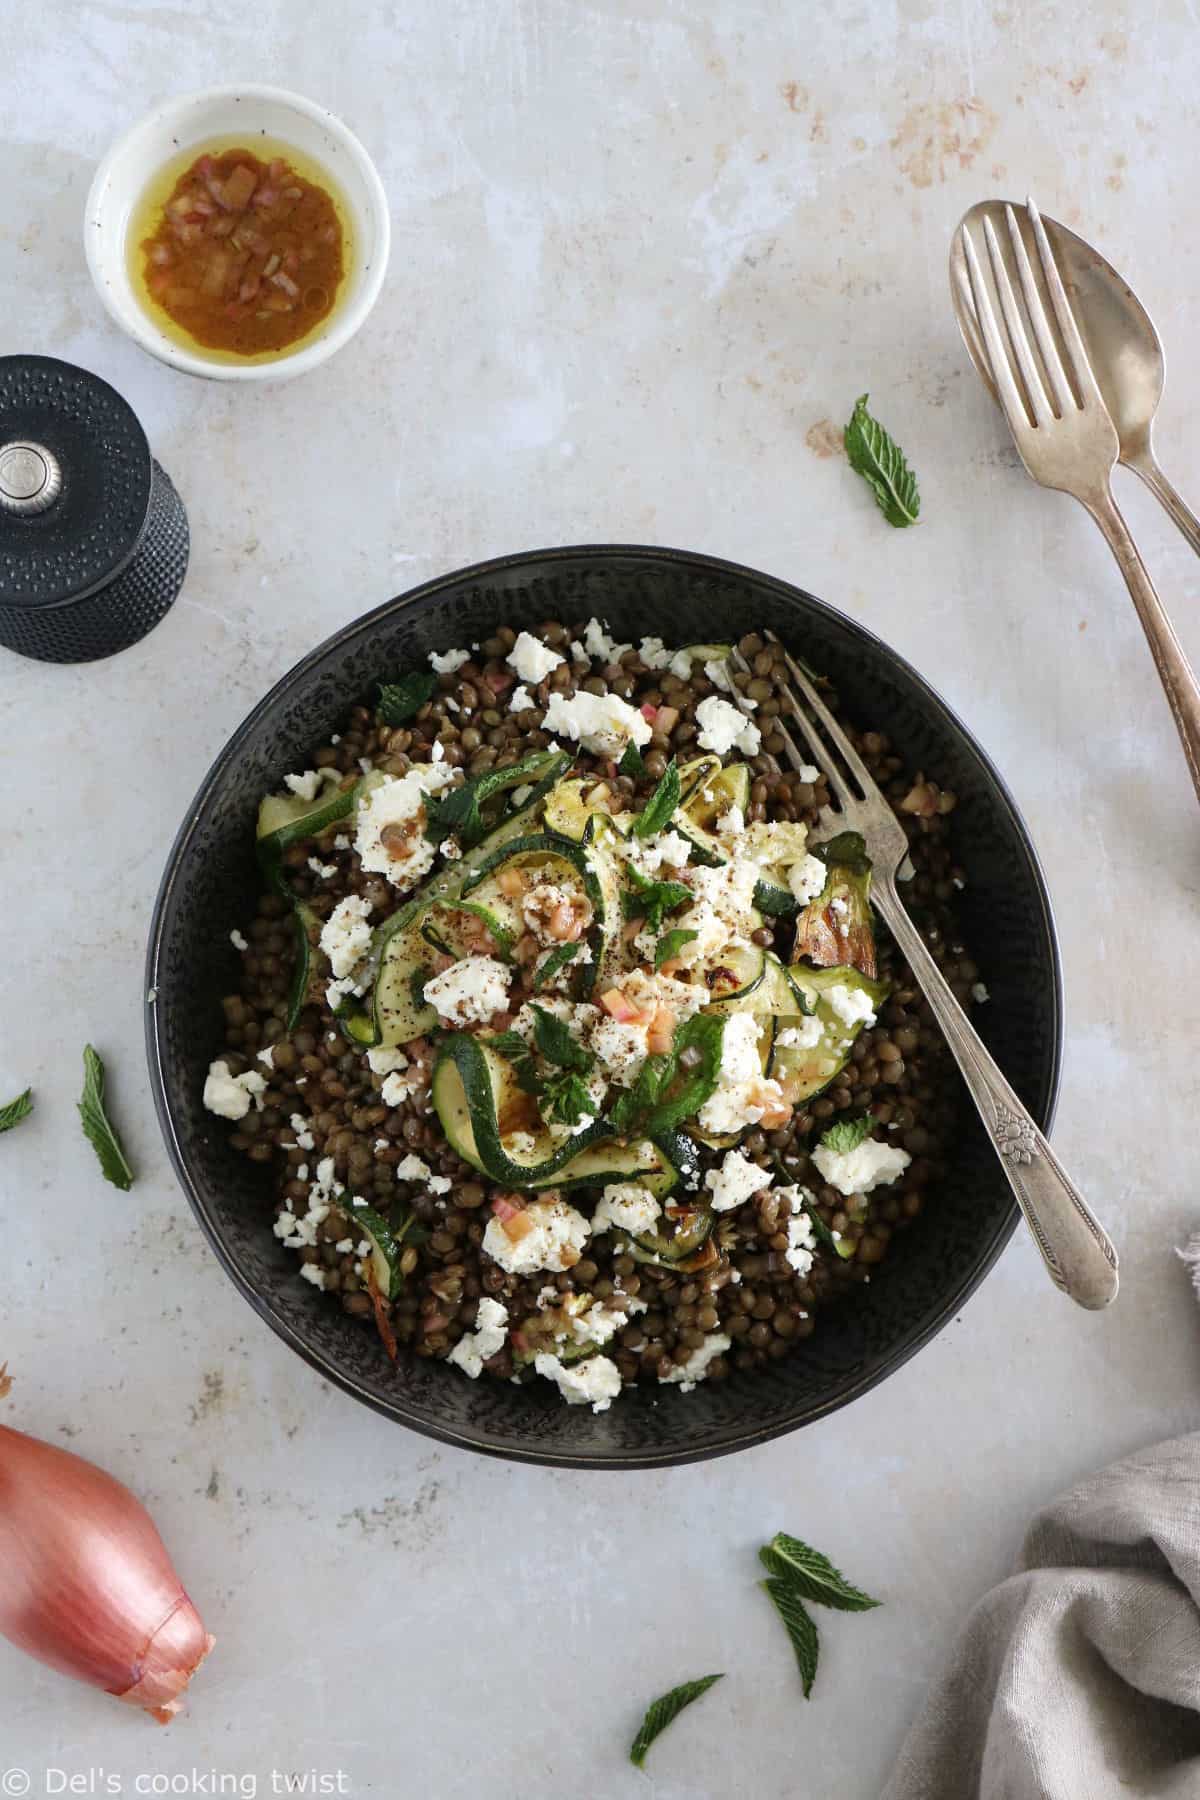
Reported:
(243, 113)
(210, 885)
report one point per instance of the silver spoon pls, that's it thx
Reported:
(1123, 347)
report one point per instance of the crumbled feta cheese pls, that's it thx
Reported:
(806, 879)
(741, 1092)
(723, 728)
(471, 991)
(804, 1036)
(345, 935)
(731, 823)
(602, 723)
(313, 1272)
(448, 662)
(620, 1048)
(344, 1246)
(341, 841)
(625, 1206)
(491, 1329)
(451, 849)
(398, 1087)
(531, 659)
(958, 882)
(303, 1130)
(979, 993)
(306, 786)
(851, 1005)
(596, 1380)
(440, 1184)
(801, 1237)
(237, 940)
(323, 871)
(547, 1296)
(412, 1168)
(229, 1096)
(399, 801)
(646, 992)
(712, 934)
(518, 1144)
(654, 653)
(337, 991)
(555, 1241)
(592, 1322)
(302, 1172)
(649, 854)
(807, 772)
(858, 1171)
(597, 643)
(695, 1369)
(521, 700)
(735, 1181)
(547, 903)
(719, 675)
(838, 905)
(267, 1056)
(579, 655)
(383, 1058)
(729, 893)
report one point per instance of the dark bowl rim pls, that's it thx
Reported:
(752, 1435)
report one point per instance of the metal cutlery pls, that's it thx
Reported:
(1077, 1252)
(1060, 424)
(1120, 339)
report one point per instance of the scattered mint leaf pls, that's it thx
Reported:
(401, 700)
(652, 900)
(513, 1048)
(659, 810)
(811, 1575)
(881, 463)
(689, 1085)
(661, 1712)
(16, 1110)
(631, 763)
(670, 944)
(551, 963)
(552, 1037)
(798, 1624)
(567, 1100)
(634, 1103)
(96, 1126)
(848, 1134)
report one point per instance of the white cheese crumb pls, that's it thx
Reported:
(237, 940)
(557, 1237)
(802, 1238)
(491, 1329)
(719, 675)
(303, 1130)
(723, 727)
(806, 879)
(345, 935)
(858, 1171)
(735, 1181)
(804, 1036)
(451, 849)
(412, 1168)
(305, 786)
(449, 661)
(521, 700)
(979, 993)
(344, 1246)
(399, 801)
(531, 659)
(731, 823)
(851, 1005)
(620, 1048)
(229, 1096)
(341, 841)
(471, 991)
(602, 723)
(267, 1056)
(323, 871)
(597, 643)
(595, 1381)
(313, 1272)
(695, 1369)
(383, 1058)
(627, 1206)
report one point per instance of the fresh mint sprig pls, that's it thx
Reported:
(882, 464)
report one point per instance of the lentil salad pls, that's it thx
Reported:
(456, 1098)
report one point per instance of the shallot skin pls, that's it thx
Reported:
(86, 1584)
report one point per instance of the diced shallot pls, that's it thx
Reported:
(504, 1208)
(619, 1008)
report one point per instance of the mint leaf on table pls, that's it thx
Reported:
(96, 1126)
(882, 465)
(670, 944)
(552, 1037)
(661, 1712)
(812, 1576)
(401, 700)
(551, 963)
(659, 810)
(16, 1110)
(798, 1624)
(631, 763)
(848, 1134)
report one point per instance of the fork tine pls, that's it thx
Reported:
(1077, 356)
(817, 749)
(1041, 324)
(845, 748)
(1038, 399)
(997, 355)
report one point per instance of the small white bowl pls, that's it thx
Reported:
(223, 112)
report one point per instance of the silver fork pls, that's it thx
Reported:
(1077, 1252)
(1064, 432)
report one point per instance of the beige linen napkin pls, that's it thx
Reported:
(1078, 1678)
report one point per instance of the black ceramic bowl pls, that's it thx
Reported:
(211, 882)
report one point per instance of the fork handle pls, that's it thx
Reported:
(1077, 1252)
(1146, 464)
(1179, 683)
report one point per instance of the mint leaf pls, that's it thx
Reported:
(811, 1575)
(798, 1624)
(670, 944)
(690, 1083)
(848, 1134)
(881, 463)
(567, 1100)
(96, 1127)
(553, 1039)
(513, 1048)
(652, 900)
(661, 1712)
(400, 700)
(634, 1102)
(551, 963)
(631, 763)
(16, 1110)
(659, 810)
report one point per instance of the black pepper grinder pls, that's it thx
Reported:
(93, 536)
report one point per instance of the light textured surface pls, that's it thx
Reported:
(644, 252)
